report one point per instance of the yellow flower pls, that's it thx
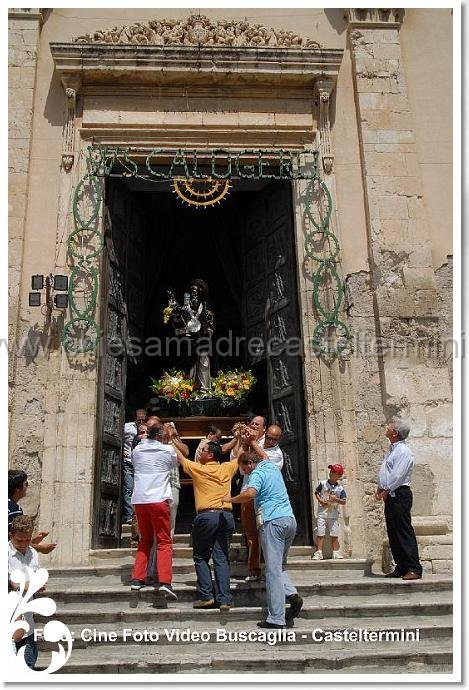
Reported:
(230, 391)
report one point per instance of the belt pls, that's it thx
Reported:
(214, 510)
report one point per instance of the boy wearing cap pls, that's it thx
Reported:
(330, 494)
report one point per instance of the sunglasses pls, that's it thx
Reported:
(270, 438)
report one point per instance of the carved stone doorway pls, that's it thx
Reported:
(244, 250)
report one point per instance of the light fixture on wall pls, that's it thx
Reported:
(51, 283)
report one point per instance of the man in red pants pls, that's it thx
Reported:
(153, 460)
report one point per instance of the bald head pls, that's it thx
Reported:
(273, 435)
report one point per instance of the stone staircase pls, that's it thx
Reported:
(116, 631)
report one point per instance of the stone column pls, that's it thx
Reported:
(406, 374)
(328, 380)
(71, 391)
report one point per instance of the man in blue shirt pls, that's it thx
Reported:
(277, 528)
(394, 489)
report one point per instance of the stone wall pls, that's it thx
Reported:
(23, 37)
(395, 305)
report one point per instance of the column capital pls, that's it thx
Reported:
(371, 18)
(324, 88)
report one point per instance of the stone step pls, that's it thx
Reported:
(284, 657)
(358, 593)
(237, 553)
(170, 633)
(304, 580)
(108, 569)
(145, 606)
(183, 538)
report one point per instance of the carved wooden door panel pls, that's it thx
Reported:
(122, 318)
(271, 312)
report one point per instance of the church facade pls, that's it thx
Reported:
(354, 257)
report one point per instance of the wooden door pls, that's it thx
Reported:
(122, 291)
(271, 313)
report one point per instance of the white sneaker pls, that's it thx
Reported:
(252, 578)
(317, 556)
(336, 554)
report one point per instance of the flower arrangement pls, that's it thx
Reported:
(173, 385)
(232, 387)
(167, 311)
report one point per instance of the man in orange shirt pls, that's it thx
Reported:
(213, 525)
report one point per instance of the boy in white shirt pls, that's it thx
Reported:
(20, 557)
(329, 494)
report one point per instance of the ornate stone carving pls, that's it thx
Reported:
(199, 30)
(377, 17)
(68, 135)
(324, 90)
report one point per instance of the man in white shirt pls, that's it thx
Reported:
(394, 489)
(153, 459)
(130, 432)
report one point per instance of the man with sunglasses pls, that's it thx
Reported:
(277, 529)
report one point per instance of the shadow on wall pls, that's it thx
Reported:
(423, 490)
(337, 19)
(55, 105)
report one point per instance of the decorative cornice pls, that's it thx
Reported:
(26, 13)
(159, 65)
(374, 18)
(198, 30)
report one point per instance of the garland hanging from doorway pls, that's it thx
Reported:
(331, 336)
(85, 244)
(81, 333)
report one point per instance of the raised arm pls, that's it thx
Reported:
(260, 452)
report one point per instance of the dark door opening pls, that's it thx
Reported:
(244, 251)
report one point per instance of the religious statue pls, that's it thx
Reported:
(193, 319)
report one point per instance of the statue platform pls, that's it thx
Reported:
(196, 427)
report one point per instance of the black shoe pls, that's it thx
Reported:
(137, 584)
(168, 591)
(296, 604)
(395, 573)
(274, 626)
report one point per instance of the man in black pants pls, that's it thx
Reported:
(394, 489)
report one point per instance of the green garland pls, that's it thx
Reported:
(86, 242)
(320, 232)
(84, 247)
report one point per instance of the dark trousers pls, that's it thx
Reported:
(401, 534)
(30, 653)
(127, 489)
(211, 536)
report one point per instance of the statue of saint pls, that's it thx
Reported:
(194, 320)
